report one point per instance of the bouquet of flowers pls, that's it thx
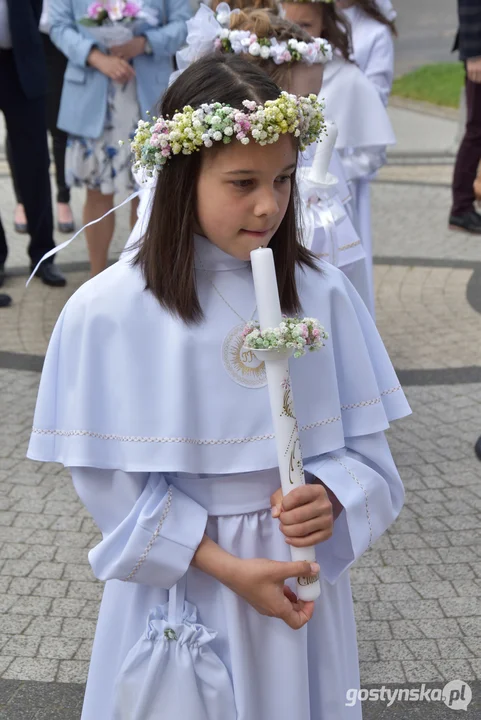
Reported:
(112, 22)
(294, 334)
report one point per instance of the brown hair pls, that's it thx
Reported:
(335, 28)
(166, 254)
(265, 25)
(271, 5)
(371, 8)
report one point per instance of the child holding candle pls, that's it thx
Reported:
(355, 105)
(164, 422)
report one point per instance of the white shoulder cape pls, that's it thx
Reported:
(128, 386)
(353, 103)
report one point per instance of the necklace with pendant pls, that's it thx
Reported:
(241, 364)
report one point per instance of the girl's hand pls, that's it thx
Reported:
(306, 515)
(113, 67)
(261, 583)
(130, 49)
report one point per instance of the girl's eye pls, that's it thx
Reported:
(284, 179)
(242, 184)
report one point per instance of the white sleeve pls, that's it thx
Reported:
(380, 68)
(365, 480)
(150, 530)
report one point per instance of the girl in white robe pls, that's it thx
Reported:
(165, 424)
(356, 107)
(327, 211)
(373, 30)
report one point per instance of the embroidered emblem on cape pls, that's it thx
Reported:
(241, 364)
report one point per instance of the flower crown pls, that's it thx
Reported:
(243, 41)
(188, 131)
(209, 31)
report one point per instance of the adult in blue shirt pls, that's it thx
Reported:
(105, 92)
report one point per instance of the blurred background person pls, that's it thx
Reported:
(468, 41)
(23, 86)
(105, 92)
(56, 65)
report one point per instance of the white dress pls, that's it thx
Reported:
(167, 438)
(356, 107)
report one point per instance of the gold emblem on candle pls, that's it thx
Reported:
(241, 364)
(305, 581)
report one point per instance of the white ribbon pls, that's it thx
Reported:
(318, 213)
(65, 244)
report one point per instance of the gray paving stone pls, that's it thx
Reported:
(419, 609)
(423, 649)
(38, 669)
(393, 650)
(391, 575)
(13, 624)
(373, 631)
(441, 628)
(45, 626)
(454, 669)
(397, 591)
(74, 628)
(67, 607)
(405, 629)
(21, 646)
(23, 586)
(382, 673)
(470, 626)
(73, 671)
(453, 649)
(417, 671)
(59, 649)
(434, 589)
(33, 605)
(52, 588)
(456, 607)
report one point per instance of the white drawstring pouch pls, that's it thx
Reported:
(172, 673)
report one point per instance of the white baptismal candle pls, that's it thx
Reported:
(324, 150)
(289, 456)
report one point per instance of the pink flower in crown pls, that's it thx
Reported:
(94, 10)
(131, 9)
(217, 44)
(166, 151)
(316, 332)
(286, 56)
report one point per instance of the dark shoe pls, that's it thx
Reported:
(469, 222)
(66, 228)
(2, 275)
(477, 448)
(5, 300)
(49, 274)
(21, 228)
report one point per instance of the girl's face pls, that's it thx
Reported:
(305, 79)
(307, 15)
(243, 192)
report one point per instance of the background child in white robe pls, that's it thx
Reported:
(355, 106)
(373, 30)
(176, 461)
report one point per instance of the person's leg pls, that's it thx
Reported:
(19, 217)
(99, 236)
(27, 130)
(3, 253)
(56, 65)
(469, 154)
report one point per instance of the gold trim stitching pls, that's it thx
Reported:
(194, 441)
(152, 540)
(356, 479)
